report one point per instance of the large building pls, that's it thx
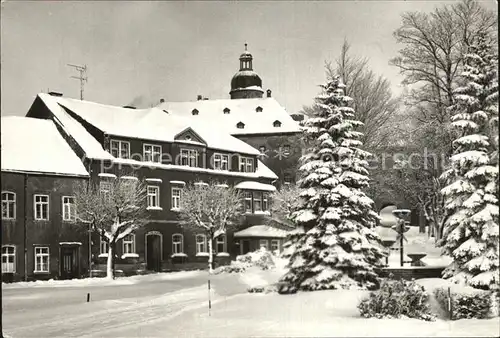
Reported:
(253, 146)
(251, 117)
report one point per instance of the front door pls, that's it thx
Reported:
(154, 253)
(245, 247)
(69, 262)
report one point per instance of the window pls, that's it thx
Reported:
(263, 243)
(189, 157)
(195, 111)
(220, 244)
(153, 196)
(286, 150)
(227, 110)
(240, 125)
(259, 109)
(257, 201)
(176, 198)
(42, 259)
(177, 243)
(8, 205)
(69, 208)
(275, 245)
(201, 244)
(287, 178)
(221, 162)
(120, 149)
(104, 247)
(276, 124)
(8, 259)
(41, 207)
(248, 201)
(152, 153)
(129, 244)
(246, 164)
(265, 204)
(105, 189)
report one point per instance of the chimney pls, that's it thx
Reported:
(55, 94)
(268, 92)
(199, 97)
(162, 100)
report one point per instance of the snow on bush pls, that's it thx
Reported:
(261, 258)
(465, 304)
(397, 299)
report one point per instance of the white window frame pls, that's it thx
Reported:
(265, 201)
(287, 175)
(221, 161)
(105, 189)
(264, 243)
(246, 164)
(153, 196)
(128, 242)
(257, 197)
(152, 152)
(191, 157)
(40, 255)
(176, 200)
(177, 246)
(6, 203)
(72, 209)
(103, 247)
(275, 243)
(286, 150)
(8, 267)
(41, 204)
(248, 197)
(221, 240)
(201, 244)
(118, 147)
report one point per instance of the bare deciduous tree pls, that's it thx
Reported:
(210, 208)
(284, 202)
(114, 209)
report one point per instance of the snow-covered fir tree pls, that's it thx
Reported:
(471, 234)
(338, 247)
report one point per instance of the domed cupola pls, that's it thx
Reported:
(246, 84)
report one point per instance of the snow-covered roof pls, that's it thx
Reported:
(261, 231)
(251, 185)
(91, 147)
(36, 146)
(264, 171)
(241, 110)
(148, 124)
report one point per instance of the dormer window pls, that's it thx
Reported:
(188, 138)
(226, 110)
(195, 111)
(259, 109)
(276, 124)
(240, 125)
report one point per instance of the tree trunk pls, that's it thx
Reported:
(110, 264)
(210, 255)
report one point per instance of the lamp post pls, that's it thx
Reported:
(401, 227)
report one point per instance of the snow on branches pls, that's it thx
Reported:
(471, 233)
(114, 208)
(209, 208)
(335, 245)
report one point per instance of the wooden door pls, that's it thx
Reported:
(154, 253)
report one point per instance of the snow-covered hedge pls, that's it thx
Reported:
(261, 258)
(465, 305)
(397, 299)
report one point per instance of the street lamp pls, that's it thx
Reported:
(401, 227)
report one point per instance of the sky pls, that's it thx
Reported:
(139, 52)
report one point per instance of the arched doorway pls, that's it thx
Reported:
(154, 250)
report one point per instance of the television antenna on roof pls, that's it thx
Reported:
(83, 76)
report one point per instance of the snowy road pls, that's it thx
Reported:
(113, 310)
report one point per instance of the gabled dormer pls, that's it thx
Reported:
(240, 125)
(188, 135)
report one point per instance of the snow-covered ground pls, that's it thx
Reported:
(166, 276)
(177, 306)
